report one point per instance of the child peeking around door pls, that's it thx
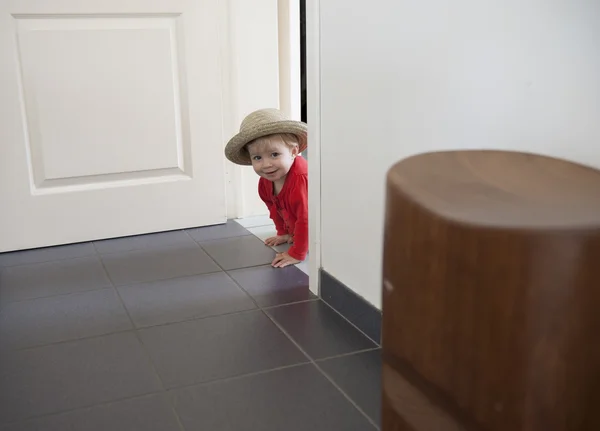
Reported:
(272, 144)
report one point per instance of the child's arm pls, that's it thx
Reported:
(279, 224)
(299, 248)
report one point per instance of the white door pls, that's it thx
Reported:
(110, 119)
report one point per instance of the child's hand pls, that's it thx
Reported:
(282, 260)
(277, 240)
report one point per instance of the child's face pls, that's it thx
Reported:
(271, 157)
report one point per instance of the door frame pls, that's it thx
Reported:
(313, 102)
(290, 101)
(288, 16)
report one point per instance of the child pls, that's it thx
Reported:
(272, 144)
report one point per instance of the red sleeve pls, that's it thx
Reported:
(264, 195)
(299, 206)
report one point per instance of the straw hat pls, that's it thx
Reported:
(261, 123)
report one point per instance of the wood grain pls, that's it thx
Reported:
(492, 290)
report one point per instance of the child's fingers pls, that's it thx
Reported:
(284, 262)
(280, 262)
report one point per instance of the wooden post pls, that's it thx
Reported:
(491, 296)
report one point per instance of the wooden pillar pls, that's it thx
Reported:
(491, 296)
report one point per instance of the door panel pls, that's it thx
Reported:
(111, 119)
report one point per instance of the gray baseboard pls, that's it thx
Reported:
(356, 309)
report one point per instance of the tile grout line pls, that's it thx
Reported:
(165, 391)
(94, 289)
(138, 337)
(237, 377)
(57, 295)
(272, 247)
(316, 365)
(310, 358)
(70, 340)
(345, 355)
(253, 226)
(134, 326)
(76, 409)
(378, 343)
(155, 247)
(199, 243)
(232, 279)
(302, 301)
(140, 328)
(219, 239)
(312, 361)
(258, 308)
(297, 265)
(19, 265)
(122, 331)
(99, 254)
(137, 283)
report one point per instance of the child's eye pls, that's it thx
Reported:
(275, 155)
(256, 158)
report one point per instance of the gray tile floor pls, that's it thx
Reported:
(186, 330)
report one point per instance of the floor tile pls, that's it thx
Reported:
(263, 232)
(149, 413)
(319, 330)
(254, 221)
(293, 399)
(240, 252)
(47, 254)
(51, 278)
(70, 375)
(185, 298)
(157, 264)
(282, 248)
(359, 376)
(228, 230)
(273, 286)
(218, 347)
(140, 242)
(61, 318)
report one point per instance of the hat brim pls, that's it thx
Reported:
(235, 152)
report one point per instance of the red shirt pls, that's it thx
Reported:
(289, 209)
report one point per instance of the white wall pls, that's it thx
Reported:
(401, 77)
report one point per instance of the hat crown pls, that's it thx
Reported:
(262, 116)
(263, 122)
